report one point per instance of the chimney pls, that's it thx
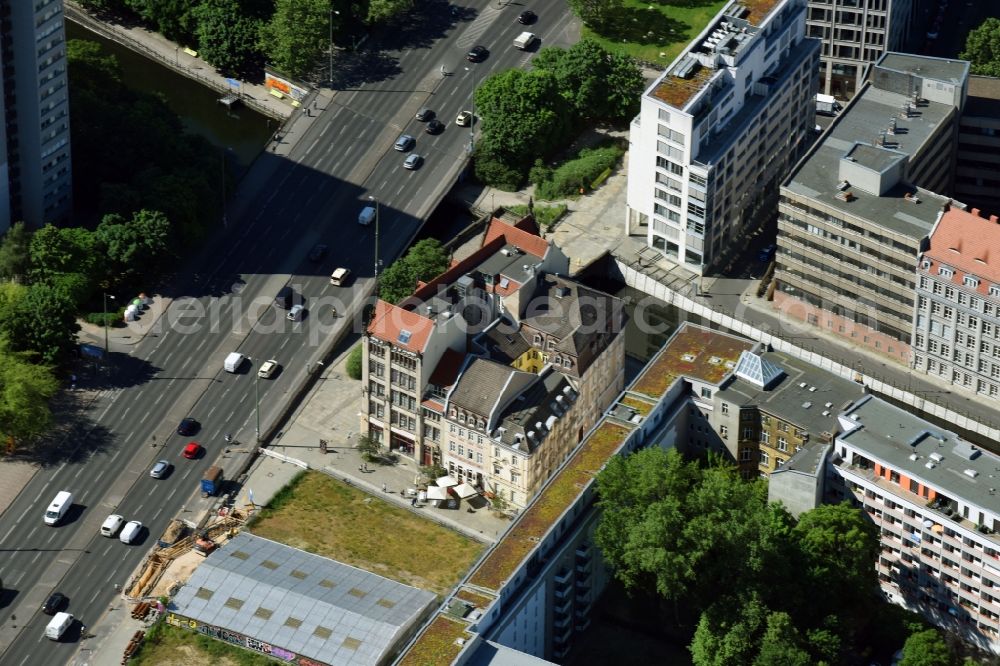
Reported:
(975, 212)
(993, 219)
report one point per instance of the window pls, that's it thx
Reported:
(746, 454)
(765, 459)
(725, 408)
(765, 437)
(782, 444)
(945, 272)
(747, 433)
(706, 393)
(724, 432)
(970, 281)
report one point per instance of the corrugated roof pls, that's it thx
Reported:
(310, 605)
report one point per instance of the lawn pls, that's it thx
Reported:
(545, 216)
(166, 645)
(327, 517)
(654, 32)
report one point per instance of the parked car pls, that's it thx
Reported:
(317, 252)
(404, 143)
(188, 427)
(477, 54)
(413, 161)
(423, 115)
(527, 17)
(55, 603)
(464, 118)
(434, 127)
(267, 369)
(160, 469)
(192, 450)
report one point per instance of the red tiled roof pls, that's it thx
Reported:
(447, 368)
(433, 405)
(389, 321)
(968, 243)
(527, 241)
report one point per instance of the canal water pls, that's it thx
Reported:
(242, 133)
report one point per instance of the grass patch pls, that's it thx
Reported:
(545, 216)
(166, 645)
(329, 518)
(665, 29)
(578, 175)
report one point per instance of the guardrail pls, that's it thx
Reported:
(79, 16)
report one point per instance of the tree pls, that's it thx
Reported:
(229, 37)
(369, 448)
(781, 644)
(354, 358)
(729, 632)
(297, 34)
(15, 252)
(596, 13)
(134, 247)
(597, 84)
(56, 250)
(380, 11)
(25, 391)
(982, 48)
(43, 322)
(174, 19)
(926, 648)
(422, 262)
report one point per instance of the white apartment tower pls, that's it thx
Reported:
(720, 129)
(855, 34)
(35, 183)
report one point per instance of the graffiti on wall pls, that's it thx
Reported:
(241, 640)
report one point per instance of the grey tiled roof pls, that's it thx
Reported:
(545, 399)
(480, 386)
(569, 311)
(310, 605)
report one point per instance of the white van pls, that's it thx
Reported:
(524, 40)
(111, 525)
(367, 216)
(233, 362)
(58, 508)
(130, 531)
(58, 625)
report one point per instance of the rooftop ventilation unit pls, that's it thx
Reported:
(971, 473)
(843, 185)
(936, 457)
(930, 464)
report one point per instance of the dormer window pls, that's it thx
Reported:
(925, 264)
(552, 344)
(994, 291)
(567, 363)
(461, 417)
(537, 339)
(970, 281)
(557, 360)
(945, 272)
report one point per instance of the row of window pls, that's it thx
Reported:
(469, 452)
(958, 296)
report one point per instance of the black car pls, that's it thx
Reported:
(423, 115)
(477, 54)
(188, 427)
(317, 252)
(55, 603)
(527, 17)
(283, 299)
(434, 127)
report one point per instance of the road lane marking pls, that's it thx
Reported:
(324, 131)
(77, 475)
(201, 344)
(172, 493)
(315, 141)
(115, 456)
(210, 412)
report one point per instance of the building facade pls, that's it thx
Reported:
(933, 497)
(860, 205)
(35, 160)
(956, 321)
(855, 34)
(719, 130)
(977, 174)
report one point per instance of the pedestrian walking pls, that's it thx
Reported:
(385, 488)
(413, 502)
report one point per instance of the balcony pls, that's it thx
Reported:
(562, 636)
(563, 623)
(562, 609)
(582, 626)
(563, 577)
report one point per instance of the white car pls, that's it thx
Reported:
(296, 313)
(464, 118)
(130, 531)
(267, 369)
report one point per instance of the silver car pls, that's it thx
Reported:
(404, 143)
(160, 469)
(413, 161)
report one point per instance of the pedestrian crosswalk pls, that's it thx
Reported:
(472, 34)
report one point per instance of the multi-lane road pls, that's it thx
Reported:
(313, 196)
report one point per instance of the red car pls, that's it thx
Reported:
(192, 450)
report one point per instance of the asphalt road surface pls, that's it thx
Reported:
(313, 196)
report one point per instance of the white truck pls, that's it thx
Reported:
(827, 105)
(525, 40)
(58, 508)
(58, 625)
(233, 362)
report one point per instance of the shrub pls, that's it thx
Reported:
(354, 363)
(492, 171)
(99, 318)
(545, 216)
(576, 176)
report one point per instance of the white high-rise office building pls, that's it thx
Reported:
(35, 181)
(720, 129)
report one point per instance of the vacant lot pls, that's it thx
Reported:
(655, 32)
(327, 517)
(171, 646)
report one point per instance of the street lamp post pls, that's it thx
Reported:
(106, 297)
(256, 397)
(372, 198)
(472, 121)
(332, 12)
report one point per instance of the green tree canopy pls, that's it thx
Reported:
(15, 252)
(297, 35)
(59, 250)
(229, 37)
(423, 262)
(134, 246)
(25, 391)
(596, 13)
(41, 320)
(729, 632)
(596, 84)
(781, 644)
(174, 19)
(926, 648)
(380, 11)
(982, 48)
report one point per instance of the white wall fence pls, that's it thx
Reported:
(648, 285)
(282, 457)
